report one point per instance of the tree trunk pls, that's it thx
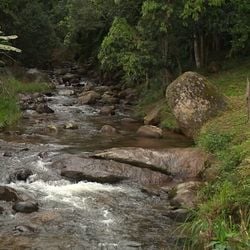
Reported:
(197, 52)
(202, 51)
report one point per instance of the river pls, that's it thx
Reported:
(80, 215)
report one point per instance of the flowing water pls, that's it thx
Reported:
(82, 215)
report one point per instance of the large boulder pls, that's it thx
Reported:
(194, 100)
(177, 162)
(106, 171)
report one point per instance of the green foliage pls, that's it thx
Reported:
(4, 43)
(214, 142)
(119, 52)
(223, 222)
(30, 20)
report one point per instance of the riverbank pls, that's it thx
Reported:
(10, 89)
(222, 218)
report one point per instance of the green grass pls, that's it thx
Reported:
(15, 86)
(9, 90)
(233, 78)
(222, 220)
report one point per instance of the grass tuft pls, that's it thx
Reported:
(9, 90)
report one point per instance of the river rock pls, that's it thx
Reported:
(150, 131)
(179, 214)
(23, 229)
(1, 210)
(178, 162)
(71, 125)
(128, 94)
(8, 194)
(66, 92)
(185, 195)
(69, 77)
(106, 171)
(153, 117)
(194, 100)
(102, 89)
(108, 130)
(44, 108)
(107, 110)
(109, 99)
(52, 128)
(7, 154)
(25, 207)
(89, 97)
(20, 175)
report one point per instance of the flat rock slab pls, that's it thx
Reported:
(106, 171)
(177, 162)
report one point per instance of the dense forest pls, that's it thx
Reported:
(136, 41)
(167, 83)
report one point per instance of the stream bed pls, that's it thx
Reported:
(80, 215)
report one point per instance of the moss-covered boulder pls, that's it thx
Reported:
(194, 100)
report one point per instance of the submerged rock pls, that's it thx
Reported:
(150, 131)
(178, 162)
(194, 100)
(25, 207)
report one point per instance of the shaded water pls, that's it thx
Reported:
(80, 215)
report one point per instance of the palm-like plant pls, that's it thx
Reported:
(4, 46)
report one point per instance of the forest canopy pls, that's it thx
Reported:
(140, 40)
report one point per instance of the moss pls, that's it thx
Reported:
(167, 118)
